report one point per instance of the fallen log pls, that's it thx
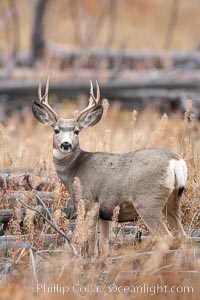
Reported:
(173, 80)
(7, 171)
(24, 180)
(38, 170)
(47, 240)
(72, 89)
(169, 93)
(128, 59)
(7, 214)
(12, 195)
(54, 240)
(132, 59)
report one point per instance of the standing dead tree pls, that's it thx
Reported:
(172, 23)
(13, 37)
(37, 39)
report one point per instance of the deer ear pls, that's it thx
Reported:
(42, 115)
(92, 117)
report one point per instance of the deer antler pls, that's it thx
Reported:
(44, 99)
(92, 101)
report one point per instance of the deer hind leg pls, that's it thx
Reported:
(172, 213)
(104, 238)
(153, 218)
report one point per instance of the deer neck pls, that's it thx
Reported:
(66, 165)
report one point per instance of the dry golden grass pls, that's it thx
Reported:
(27, 143)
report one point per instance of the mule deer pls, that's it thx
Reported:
(146, 183)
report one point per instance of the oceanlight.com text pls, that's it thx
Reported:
(57, 288)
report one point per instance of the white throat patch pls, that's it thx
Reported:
(58, 154)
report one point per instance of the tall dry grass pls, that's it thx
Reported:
(128, 271)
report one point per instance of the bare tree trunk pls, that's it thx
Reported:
(37, 39)
(172, 23)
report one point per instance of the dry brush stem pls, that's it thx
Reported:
(14, 223)
(6, 160)
(91, 227)
(105, 104)
(187, 129)
(22, 155)
(115, 220)
(60, 194)
(45, 207)
(29, 224)
(159, 132)
(85, 233)
(107, 140)
(33, 264)
(79, 233)
(61, 220)
(155, 261)
(189, 147)
(77, 189)
(86, 222)
(133, 124)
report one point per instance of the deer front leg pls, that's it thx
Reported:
(104, 238)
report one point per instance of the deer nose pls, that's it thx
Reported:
(66, 146)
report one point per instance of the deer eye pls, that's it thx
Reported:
(76, 131)
(56, 131)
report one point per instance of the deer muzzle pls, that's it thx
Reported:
(66, 146)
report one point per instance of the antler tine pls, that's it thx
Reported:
(44, 99)
(92, 101)
(92, 94)
(40, 89)
(91, 88)
(47, 88)
(98, 91)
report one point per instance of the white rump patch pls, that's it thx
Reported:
(176, 174)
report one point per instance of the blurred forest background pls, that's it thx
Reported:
(131, 24)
